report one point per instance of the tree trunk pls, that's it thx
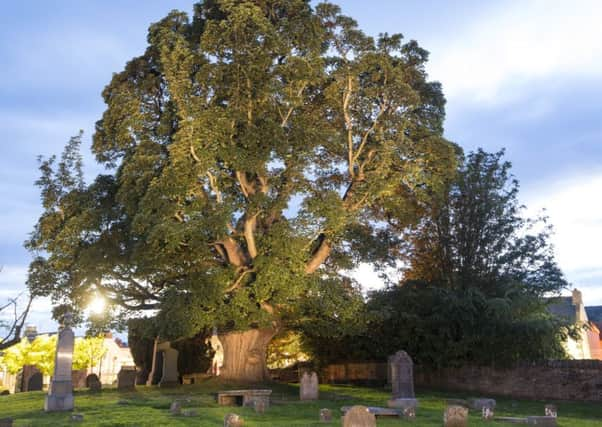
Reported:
(245, 354)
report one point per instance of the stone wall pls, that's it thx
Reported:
(562, 380)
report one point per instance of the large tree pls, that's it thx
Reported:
(253, 153)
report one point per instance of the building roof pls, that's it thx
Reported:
(594, 313)
(563, 307)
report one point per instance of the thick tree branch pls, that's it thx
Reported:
(250, 224)
(319, 255)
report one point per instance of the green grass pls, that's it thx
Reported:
(150, 407)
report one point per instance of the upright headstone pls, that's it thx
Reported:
(308, 386)
(60, 393)
(401, 368)
(93, 382)
(78, 377)
(455, 416)
(31, 379)
(35, 382)
(170, 376)
(359, 416)
(126, 379)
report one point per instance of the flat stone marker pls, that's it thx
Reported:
(542, 421)
(6, 422)
(551, 410)
(243, 397)
(455, 416)
(377, 411)
(126, 379)
(325, 415)
(60, 393)
(93, 383)
(358, 416)
(512, 420)
(233, 420)
(308, 386)
(78, 418)
(190, 412)
(401, 368)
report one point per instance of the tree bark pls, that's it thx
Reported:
(245, 354)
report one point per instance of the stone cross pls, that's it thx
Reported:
(60, 393)
(308, 386)
(359, 416)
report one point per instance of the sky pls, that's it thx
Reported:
(521, 75)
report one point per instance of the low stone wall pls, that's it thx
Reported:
(562, 380)
(355, 373)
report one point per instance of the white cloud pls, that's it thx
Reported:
(574, 206)
(518, 42)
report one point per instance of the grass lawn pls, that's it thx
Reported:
(150, 407)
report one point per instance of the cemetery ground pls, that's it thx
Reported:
(149, 406)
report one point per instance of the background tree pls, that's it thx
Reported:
(88, 352)
(40, 352)
(253, 153)
(477, 279)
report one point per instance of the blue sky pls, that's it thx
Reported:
(524, 75)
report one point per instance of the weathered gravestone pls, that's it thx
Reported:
(78, 378)
(233, 420)
(31, 379)
(126, 379)
(487, 413)
(359, 416)
(551, 410)
(170, 376)
(60, 392)
(35, 382)
(6, 422)
(401, 369)
(455, 416)
(308, 386)
(93, 382)
(325, 415)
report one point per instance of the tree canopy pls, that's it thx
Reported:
(253, 152)
(477, 277)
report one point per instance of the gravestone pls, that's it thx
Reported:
(359, 416)
(60, 392)
(551, 410)
(325, 415)
(126, 379)
(233, 420)
(170, 376)
(478, 403)
(93, 382)
(35, 382)
(259, 406)
(401, 369)
(455, 416)
(308, 386)
(77, 418)
(78, 378)
(6, 422)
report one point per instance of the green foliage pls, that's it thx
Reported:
(252, 153)
(286, 349)
(88, 352)
(40, 353)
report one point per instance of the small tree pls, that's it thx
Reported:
(88, 352)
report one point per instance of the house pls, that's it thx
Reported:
(588, 345)
(594, 315)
